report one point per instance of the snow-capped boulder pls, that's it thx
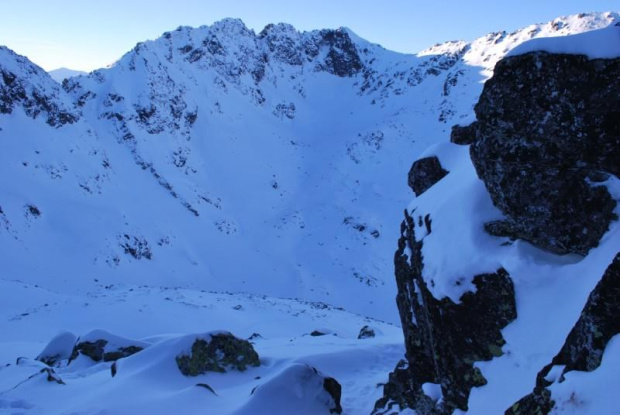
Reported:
(547, 135)
(58, 349)
(100, 345)
(217, 352)
(299, 389)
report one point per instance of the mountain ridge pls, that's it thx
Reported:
(145, 124)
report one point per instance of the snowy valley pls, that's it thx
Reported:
(220, 180)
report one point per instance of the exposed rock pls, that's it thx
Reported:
(342, 59)
(99, 345)
(443, 339)
(58, 349)
(52, 376)
(135, 246)
(463, 134)
(207, 387)
(217, 353)
(424, 173)
(334, 389)
(547, 131)
(585, 344)
(299, 388)
(366, 333)
(37, 94)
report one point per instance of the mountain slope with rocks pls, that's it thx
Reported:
(221, 179)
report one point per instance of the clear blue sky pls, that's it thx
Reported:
(88, 34)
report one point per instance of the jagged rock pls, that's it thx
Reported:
(547, 131)
(443, 339)
(342, 59)
(99, 345)
(424, 173)
(217, 353)
(585, 344)
(37, 95)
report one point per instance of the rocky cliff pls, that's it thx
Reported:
(545, 147)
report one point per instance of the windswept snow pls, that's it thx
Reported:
(597, 44)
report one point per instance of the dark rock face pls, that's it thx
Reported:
(463, 134)
(443, 339)
(334, 389)
(342, 59)
(547, 130)
(424, 173)
(223, 351)
(16, 91)
(96, 351)
(585, 344)
(366, 333)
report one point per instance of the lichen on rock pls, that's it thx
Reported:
(443, 339)
(218, 353)
(547, 134)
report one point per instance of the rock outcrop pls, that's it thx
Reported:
(547, 133)
(443, 339)
(102, 346)
(38, 95)
(546, 143)
(585, 344)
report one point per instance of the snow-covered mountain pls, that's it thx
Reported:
(61, 74)
(222, 159)
(219, 159)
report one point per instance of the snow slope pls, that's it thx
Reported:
(214, 168)
(61, 74)
(214, 144)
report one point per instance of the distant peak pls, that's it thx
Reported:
(276, 29)
(232, 26)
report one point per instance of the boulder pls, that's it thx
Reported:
(58, 349)
(547, 136)
(102, 346)
(424, 173)
(217, 352)
(299, 389)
